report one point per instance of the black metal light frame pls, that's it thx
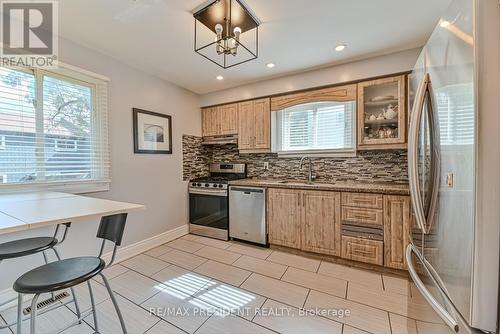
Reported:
(255, 54)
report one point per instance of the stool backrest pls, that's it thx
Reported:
(112, 227)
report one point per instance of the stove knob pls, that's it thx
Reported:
(193, 184)
(221, 186)
(215, 186)
(207, 185)
(198, 184)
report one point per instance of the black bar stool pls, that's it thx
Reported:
(29, 246)
(67, 273)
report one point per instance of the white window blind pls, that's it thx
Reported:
(320, 128)
(54, 125)
(456, 114)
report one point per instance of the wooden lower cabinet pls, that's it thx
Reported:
(363, 250)
(311, 220)
(303, 219)
(396, 230)
(284, 216)
(321, 227)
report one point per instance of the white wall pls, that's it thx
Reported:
(153, 180)
(371, 67)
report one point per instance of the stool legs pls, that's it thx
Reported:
(19, 313)
(92, 301)
(34, 303)
(115, 304)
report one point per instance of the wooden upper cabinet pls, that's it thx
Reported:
(262, 125)
(382, 113)
(284, 217)
(221, 120)
(228, 116)
(396, 230)
(321, 222)
(254, 126)
(340, 93)
(210, 121)
(246, 118)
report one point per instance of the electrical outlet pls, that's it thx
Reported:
(266, 165)
(450, 180)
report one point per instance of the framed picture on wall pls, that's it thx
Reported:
(152, 132)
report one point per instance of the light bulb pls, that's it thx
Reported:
(237, 32)
(219, 28)
(220, 77)
(270, 65)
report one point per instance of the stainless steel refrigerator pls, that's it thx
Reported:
(454, 167)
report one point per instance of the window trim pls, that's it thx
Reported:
(83, 77)
(315, 153)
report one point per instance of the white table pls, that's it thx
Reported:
(25, 211)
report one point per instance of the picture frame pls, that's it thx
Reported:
(152, 132)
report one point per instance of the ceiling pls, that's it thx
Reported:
(156, 36)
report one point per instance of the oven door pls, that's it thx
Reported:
(209, 215)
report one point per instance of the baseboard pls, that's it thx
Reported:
(122, 254)
(126, 252)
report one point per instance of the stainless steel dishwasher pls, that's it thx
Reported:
(247, 214)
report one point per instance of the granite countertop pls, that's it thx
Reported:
(346, 186)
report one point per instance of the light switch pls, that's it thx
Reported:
(266, 165)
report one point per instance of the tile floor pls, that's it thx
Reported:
(200, 285)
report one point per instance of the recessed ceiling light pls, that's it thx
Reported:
(270, 65)
(340, 47)
(220, 77)
(444, 23)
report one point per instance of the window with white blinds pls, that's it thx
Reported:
(319, 128)
(53, 127)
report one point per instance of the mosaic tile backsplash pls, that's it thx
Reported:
(367, 166)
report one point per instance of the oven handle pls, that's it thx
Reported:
(220, 193)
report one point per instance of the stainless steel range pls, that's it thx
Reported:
(209, 200)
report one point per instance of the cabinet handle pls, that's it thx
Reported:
(361, 252)
(362, 216)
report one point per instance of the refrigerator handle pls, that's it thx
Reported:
(440, 310)
(416, 117)
(436, 161)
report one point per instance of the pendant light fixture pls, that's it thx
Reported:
(226, 32)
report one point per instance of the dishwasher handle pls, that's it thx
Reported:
(247, 191)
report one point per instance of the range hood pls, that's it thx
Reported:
(220, 140)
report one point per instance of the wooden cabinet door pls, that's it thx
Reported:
(375, 129)
(228, 115)
(284, 217)
(321, 222)
(262, 124)
(396, 230)
(210, 121)
(246, 121)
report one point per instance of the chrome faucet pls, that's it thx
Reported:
(310, 177)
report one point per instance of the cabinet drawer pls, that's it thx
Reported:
(374, 201)
(363, 250)
(362, 215)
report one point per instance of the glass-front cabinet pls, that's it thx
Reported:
(382, 113)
